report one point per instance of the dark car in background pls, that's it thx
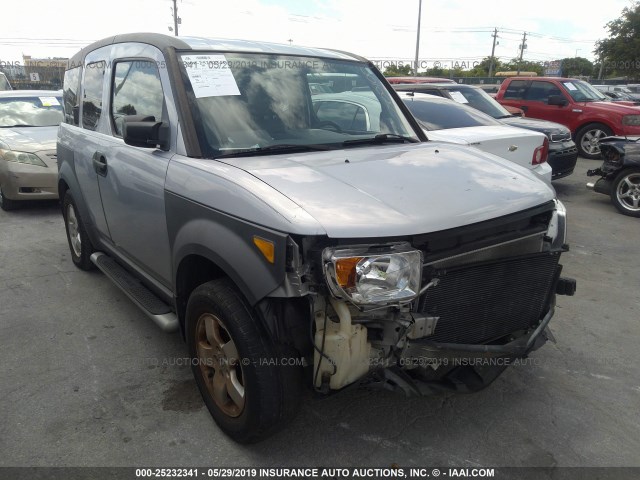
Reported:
(619, 173)
(563, 152)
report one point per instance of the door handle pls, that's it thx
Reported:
(100, 164)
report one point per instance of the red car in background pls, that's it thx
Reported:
(573, 103)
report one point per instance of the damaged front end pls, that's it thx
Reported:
(619, 173)
(440, 311)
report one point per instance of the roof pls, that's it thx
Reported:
(560, 79)
(164, 42)
(30, 93)
(427, 97)
(418, 80)
(427, 86)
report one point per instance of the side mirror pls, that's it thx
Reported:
(143, 131)
(557, 100)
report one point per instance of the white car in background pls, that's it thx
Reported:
(448, 121)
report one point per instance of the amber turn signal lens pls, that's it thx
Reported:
(266, 247)
(346, 271)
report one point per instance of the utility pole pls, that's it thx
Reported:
(493, 50)
(176, 20)
(601, 68)
(415, 67)
(522, 47)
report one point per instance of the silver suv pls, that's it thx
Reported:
(293, 241)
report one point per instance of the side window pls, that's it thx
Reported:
(71, 89)
(347, 116)
(516, 89)
(92, 101)
(540, 91)
(136, 90)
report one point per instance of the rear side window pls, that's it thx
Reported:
(71, 89)
(516, 89)
(136, 90)
(441, 115)
(540, 91)
(348, 116)
(92, 101)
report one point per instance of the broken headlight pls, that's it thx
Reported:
(378, 275)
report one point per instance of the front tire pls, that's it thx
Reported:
(588, 137)
(79, 243)
(5, 203)
(235, 364)
(625, 192)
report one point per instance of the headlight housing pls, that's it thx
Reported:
(22, 157)
(374, 275)
(633, 120)
(558, 226)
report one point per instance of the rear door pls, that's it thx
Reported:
(80, 134)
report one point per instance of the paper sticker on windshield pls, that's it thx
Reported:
(210, 75)
(570, 86)
(49, 101)
(458, 96)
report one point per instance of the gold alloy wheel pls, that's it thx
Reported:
(220, 365)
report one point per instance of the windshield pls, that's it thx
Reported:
(583, 92)
(258, 102)
(36, 111)
(479, 99)
(439, 114)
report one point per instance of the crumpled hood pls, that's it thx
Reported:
(29, 139)
(399, 190)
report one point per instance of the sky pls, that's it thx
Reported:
(451, 30)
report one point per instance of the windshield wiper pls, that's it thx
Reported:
(381, 138)
(277, 148)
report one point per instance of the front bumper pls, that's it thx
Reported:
(29, 182)
(562, 159)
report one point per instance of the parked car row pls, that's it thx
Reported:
(448, 121)
(563, 153)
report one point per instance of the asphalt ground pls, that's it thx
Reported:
(87, 380)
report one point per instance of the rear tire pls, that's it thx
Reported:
(625, 192)
(79, 243)
(588, 137)
(246, 387)
(7, 204)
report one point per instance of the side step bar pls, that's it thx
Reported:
(150, 304)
